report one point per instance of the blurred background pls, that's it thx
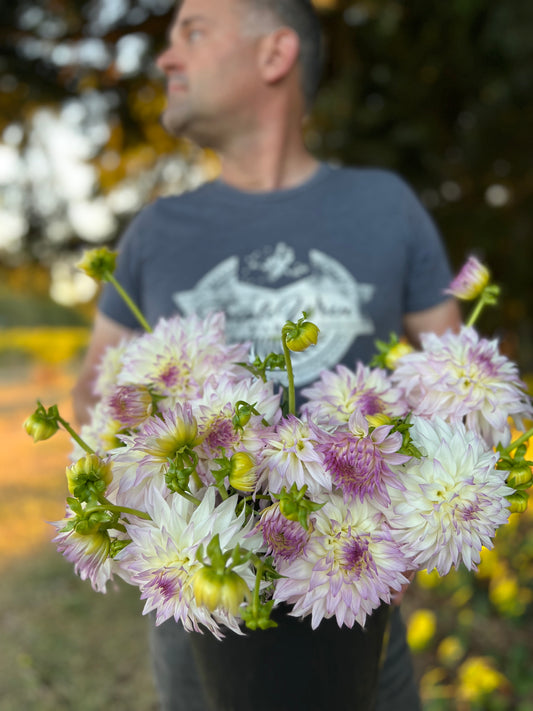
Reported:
(441, 92)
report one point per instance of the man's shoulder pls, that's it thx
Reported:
(370, 177)
(371, 186)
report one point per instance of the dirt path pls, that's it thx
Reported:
(32, 476)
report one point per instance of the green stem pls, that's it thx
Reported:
(222, 490)
(478, 308)
(129, 301)
(74, 435)
(258, 575)
(517, 442)
(187, 496)
(119, 509)
(290, 374)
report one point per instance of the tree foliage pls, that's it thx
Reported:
(440, 92)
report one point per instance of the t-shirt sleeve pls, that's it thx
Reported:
(428, 273)
(128, 274)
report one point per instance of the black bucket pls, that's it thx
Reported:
(292, 667)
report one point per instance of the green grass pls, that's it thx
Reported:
(66, 648)
(20, 309)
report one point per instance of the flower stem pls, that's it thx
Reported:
(187, 496)
(258, 575)
(74, 435)
(119, 509)
(129, 301)
(290, 374)
(478, 308)
(517, 442)
(222, 491)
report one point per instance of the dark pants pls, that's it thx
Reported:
(180, 689)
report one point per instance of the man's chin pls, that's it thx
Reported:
(174, 122)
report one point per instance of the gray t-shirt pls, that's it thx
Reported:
(352, 247)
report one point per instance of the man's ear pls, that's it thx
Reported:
(278, 54)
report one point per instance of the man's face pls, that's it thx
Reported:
(211, 70)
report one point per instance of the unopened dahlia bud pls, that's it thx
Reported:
(471, 280)
(40, 426)
(88, 474)
(299, 336)
(519, 476)
(302, 336)
(396, 352)
(243, 472)
(518, 502)
(378, 420)
(243, 413)
(224, 590)
(98, 263)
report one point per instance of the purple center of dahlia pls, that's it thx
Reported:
(357, 466)
(369, 404)
(166, 585)
(170, 376)
(285, 539)
(356, 557)
(470, 512)
(221, 433)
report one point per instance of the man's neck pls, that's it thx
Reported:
(266, 160)
(269, 175)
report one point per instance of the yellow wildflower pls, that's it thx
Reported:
(477, 678)
(450, 651)
(421, 628)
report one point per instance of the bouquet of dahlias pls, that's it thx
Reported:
(197, 481)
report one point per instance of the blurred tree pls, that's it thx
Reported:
(443, 94)
(440, 92)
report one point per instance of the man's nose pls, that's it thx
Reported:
(169, 59)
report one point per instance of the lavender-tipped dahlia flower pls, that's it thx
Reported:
(471, 280)
(88, 552)
(130, 404)
(290, 457)
(284, 539)
(349, 566)
(338, 394)
(180, 355)
(453, 498)
(161, 559)
(360, 461)
(460, 376)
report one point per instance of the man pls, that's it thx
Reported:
(276, 234)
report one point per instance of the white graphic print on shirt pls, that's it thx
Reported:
(325, 289)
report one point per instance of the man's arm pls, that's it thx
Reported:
(106, 332)
(437, 319)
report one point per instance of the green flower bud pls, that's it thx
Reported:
(224, 590)
(518, 502)
(301, 336)
(519, 476)
(289, 509)
(243, 413)
(40, 426)
(379, 419)
(396, 352)
(243, 472)
(88, 474)
(98, 263)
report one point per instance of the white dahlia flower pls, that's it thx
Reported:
(453, 498)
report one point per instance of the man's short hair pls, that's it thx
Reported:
(301, 17)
